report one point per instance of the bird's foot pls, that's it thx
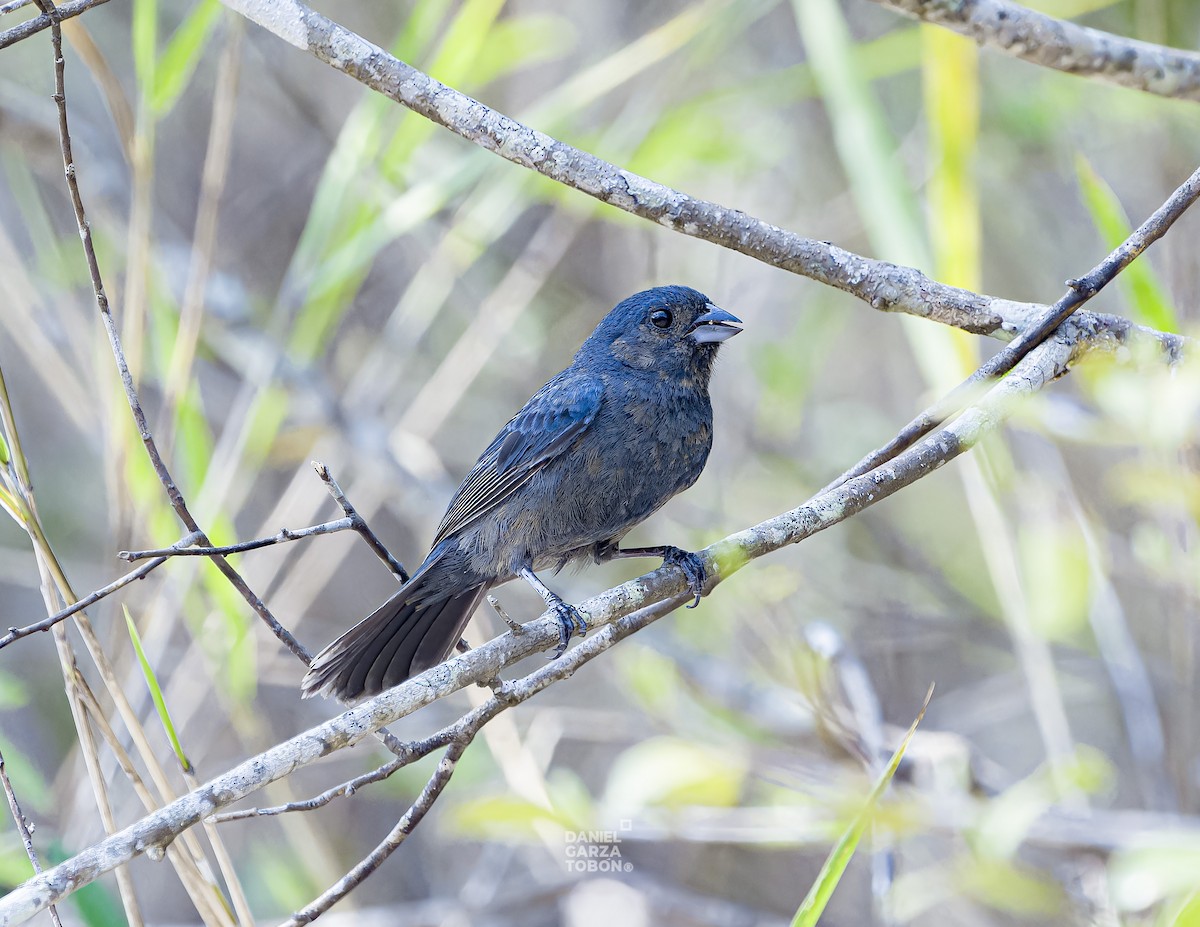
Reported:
(693, 568)
(570, 621)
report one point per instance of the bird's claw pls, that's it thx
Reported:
(570, 621)
(693, 569)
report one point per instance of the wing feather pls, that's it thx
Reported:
(548, 424)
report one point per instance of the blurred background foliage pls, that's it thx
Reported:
(302, 270)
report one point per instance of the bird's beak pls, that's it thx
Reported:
(714, 326)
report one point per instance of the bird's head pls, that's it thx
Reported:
(672, 329)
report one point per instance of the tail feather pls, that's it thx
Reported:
(399, 639)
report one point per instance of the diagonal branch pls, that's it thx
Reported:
(26, 834)
(1063, 45)
(135, 405)
(885, 286)
(92, 598)
(38, 23)
(410, 819)
(1079, 291)
(612, 613)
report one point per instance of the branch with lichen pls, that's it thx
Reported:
(613, 614)
(1063, 45)
(1049, 339)
(884, 286)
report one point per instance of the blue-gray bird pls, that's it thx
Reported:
(597, 450)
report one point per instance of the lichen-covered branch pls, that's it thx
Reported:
(1063, 45)
(611, 613)
(885, 286)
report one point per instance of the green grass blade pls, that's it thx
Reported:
(839, 857)
(869, 154)
(886, 200)
(951, 90)
(181, 55)
(144, 39)
(160, 703)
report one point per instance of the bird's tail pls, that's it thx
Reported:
(407, 634)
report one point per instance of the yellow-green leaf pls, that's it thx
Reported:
(810, 910)
(156, 694)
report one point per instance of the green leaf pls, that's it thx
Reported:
(144, 39)
(179, 59)
(156, 694)
(14, 864)
(1142, 876)
(520, 43)
(1187, 912)
(507, 817)
(227, 641)
(865, 144)
(810, 910)
(1005, 821)
(671, 772)
(27, 779)
(1054, 566)
(1006, 886)
(869, 154)
(13, 692)
(9, 503)
(951, 85)
(1147, 296)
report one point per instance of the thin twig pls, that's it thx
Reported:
(23, 829)
(513, 624)
(1080, 290)
(131, 395)
(408, 754)
(91, 598)
(317, 801)
(38, 23)
(284, 535)
(358, 523)
(409, 820)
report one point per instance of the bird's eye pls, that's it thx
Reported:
(660, 318)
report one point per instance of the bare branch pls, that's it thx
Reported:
(1063, 45)
(131, 395)
(883, 285)
(410, 819)
(91, 598)
(38, 23)
(23, 829)
(284, 535)
(358, 523)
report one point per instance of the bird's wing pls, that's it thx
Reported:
(557, 414)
